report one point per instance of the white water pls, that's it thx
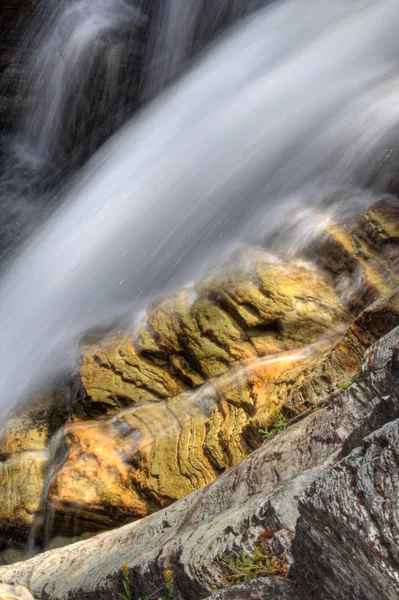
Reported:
(181, 28)
(75, 41)
(304, 92)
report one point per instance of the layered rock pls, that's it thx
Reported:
(175, 435)
(259, 496)
(165, 410)
(263, 308)
(351, 514)
(342, 362)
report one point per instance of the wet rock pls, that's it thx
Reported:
(262, 308)
(363, 258)
(22, 479)
(380, 228)
(14, 555)
(31, 426)
(261, 494)
(166, 409)
(148, 456)
(342, 362)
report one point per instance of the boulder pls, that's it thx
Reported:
(14, 592)
(261, 307)
(254, 500)
(166, 408)
(346, 545)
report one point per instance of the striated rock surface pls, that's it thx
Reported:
(262, 308)
(259, 496)
(346, 544)
(343, 360)
(173, 432)
(271, 587)
(165, 450)
(166, 409)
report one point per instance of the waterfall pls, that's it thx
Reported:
(181, 28)
(299, 96)
(80, 84)
(92, 64)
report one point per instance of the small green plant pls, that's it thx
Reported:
(351, 381)
(243, 567)
(127, 595)
(279, 424)
(169, 584)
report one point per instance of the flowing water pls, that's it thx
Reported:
(302, 96)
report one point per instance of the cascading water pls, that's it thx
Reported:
(92, 64)
(288, 100)
(80, 83)
(181, 28)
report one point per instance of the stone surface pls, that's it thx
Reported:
(261, 308)
(346, 544)
(165, 410)
(363, 257)
(148, 456)
(221, 519)
(14, 592)
(343, 360)
(270, 588)
(22, 480)
(174, 432)
(380, 228)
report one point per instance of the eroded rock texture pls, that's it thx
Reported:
(272, 587)
(166, 409)
(346, 545)
(261, 492)
(171, 440)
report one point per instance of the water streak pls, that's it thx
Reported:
(294, 95)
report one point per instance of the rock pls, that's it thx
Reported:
(148, 456)
(166, 409)
(364, 258)
(172, 435)
(14, 592)
(380, 228)
(262, 308)
(346, 544)
(272, 588)
(14, 555)
(257, 497)
(31, 426)
(22, 480)
(25, 460)
(342, 362)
